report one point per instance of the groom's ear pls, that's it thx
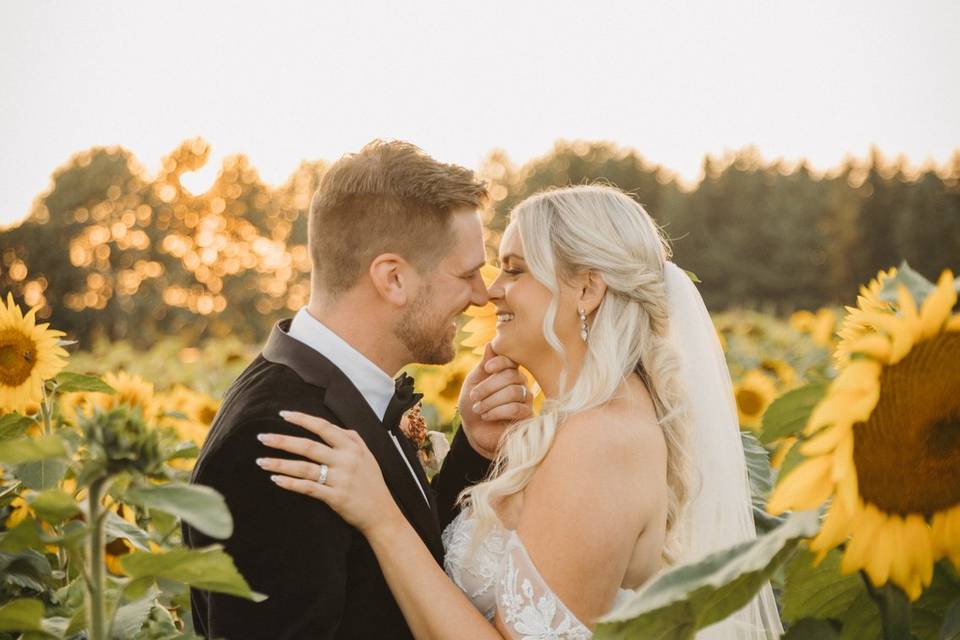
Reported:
(592, 287)
(392, 277)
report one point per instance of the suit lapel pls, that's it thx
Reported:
(410, 452)
(349, 405)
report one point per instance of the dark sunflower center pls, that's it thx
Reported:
(118, 547)
(451, 392)
(207, 414)
(749, 402)
(18, 357)
(908, 452)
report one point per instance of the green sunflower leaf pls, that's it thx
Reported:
(199, 506)
(116, 527)
(13, 425)
(930, 615)
(208, 568)
(130, 617)
(27, 449)
(69, 381)
(27, 569)
(758, 468)
(811, 629)
(818, 592)
(26, 535)
(42, 474)
(951, 623)
(54, 505)
(692, 596)
(790, 462)
(24, 614)
(788, 414)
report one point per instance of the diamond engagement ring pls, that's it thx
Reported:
(322, 478)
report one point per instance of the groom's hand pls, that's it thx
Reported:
(494, 395)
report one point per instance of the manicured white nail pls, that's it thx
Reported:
(284, 414)
(261, 461)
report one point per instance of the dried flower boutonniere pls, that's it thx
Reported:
(432, 446)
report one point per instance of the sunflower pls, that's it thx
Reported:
(782, 371)
(197, 409)
(203, 409)
(131, 391)
(801, 321)
(29, 354)
(118, 547)
(754, 392)
(482, 325)
(441, 385)
(19, 511)
(884, 444)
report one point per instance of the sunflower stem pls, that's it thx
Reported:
(96, 588)
(46, 414)
(46, 411)
(894, 609)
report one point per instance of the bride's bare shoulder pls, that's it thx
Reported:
(610, 443)
(626, 425)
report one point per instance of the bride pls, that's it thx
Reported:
(634, 463)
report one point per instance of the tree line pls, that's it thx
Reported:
(117, 253)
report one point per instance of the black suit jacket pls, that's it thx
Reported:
(321, 576)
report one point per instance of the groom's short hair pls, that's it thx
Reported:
(390, 197)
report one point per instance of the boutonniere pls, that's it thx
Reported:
(432, 446)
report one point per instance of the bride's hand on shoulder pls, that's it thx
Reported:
(340, 471)
(494, 395)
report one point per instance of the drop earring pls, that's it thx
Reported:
(583, 324)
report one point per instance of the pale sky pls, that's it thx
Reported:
(286, 81)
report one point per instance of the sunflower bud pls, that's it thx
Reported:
(119, 440)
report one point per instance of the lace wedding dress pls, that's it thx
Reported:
(500, 577)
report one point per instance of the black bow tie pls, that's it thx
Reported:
(403, 398)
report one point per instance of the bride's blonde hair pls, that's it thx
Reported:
(568, 231)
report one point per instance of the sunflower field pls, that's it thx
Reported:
(850, 420)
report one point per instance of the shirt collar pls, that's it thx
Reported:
(373, 382)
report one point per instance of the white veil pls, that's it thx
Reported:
(720, 514)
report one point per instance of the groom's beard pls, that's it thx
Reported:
(428, 338)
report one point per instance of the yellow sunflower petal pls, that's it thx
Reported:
(874, 345)
(834, 530)
(850, 398)
(914, 588)
(842, 457)
(825, 441)
(908, 311)
(848, 491)
(807, 487)
(866, 524)
(776, 460)
(883, 550)
(936, 308)
(900, 564)
(902, 333)
(945, 537)
(917, 539)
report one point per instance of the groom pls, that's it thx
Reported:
(396, 243)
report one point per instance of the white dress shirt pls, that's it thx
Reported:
(373, 383)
